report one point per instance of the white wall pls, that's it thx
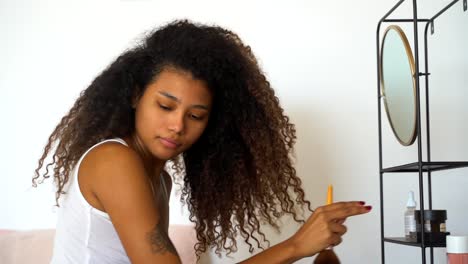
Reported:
(320, 56)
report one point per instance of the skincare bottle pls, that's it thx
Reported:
(410, 220)
(457, 249)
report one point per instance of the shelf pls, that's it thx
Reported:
(423, 147)
(427, 166)
(403, 241)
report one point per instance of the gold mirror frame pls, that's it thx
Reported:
(409, 54)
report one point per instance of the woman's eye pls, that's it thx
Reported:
(164, 107)
(196, 117)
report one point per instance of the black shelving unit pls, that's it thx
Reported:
(421, 166)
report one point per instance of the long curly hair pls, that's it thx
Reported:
(239, 174)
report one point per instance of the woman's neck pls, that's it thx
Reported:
(153, 166)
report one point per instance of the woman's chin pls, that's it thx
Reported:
(165, 155)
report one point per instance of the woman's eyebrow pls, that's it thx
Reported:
(172, 97)
(204, 107)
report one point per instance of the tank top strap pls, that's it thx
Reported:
(163, 185)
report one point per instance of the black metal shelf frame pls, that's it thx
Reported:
(403, 241)
(427, 166)
(420, 166)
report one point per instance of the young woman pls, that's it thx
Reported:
(193, 94)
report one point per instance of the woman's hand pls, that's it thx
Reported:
(325, 227)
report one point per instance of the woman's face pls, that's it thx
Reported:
(172, 113)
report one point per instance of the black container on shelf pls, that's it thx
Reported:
(434, 226)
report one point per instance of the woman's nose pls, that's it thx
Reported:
(176, 123)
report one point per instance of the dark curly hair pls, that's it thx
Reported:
(239, 173)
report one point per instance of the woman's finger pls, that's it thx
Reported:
(346, 211)
(336, 241)
(338, 228)
(340, 205)
(341, 221)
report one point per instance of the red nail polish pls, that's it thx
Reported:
(368, 207)
(362, 203)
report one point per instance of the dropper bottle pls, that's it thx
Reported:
(410, 220)
(327, 256)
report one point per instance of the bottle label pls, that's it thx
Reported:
(442, 228)
(427, 226)
(410, 224)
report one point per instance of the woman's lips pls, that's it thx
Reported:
(169, 143)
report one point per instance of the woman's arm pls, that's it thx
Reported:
(324, 228)
(122, 187)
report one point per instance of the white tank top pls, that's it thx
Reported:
(84, 234)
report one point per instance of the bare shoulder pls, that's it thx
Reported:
(122, 187)
(110, 157)
(108, 164)
(114, 173)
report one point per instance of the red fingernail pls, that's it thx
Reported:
(362, 203)
(368, 207)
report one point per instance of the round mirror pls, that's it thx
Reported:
(398, 84)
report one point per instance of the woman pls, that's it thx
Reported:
(193, 94)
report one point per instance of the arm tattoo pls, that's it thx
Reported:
(159, 240)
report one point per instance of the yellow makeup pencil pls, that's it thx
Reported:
(330, 194)
(327, 256)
